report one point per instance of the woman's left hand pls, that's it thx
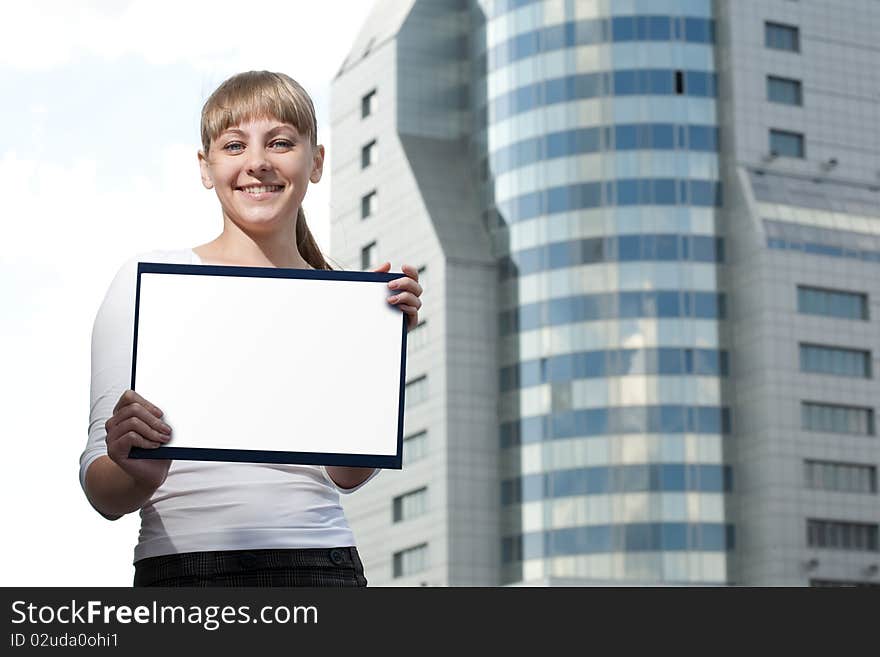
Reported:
(407, 291)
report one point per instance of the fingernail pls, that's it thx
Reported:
(165, 428)
(393, 299)
(392, 285)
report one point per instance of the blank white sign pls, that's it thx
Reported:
(299, 363)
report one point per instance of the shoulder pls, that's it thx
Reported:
(123, 284)
(165, 256)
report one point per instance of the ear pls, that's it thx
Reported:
(205, 171)
(317, 164)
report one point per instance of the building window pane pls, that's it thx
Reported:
(416, 391)
(834, 360)
(423, 278)
(368, 256)
(784, 90)
(831, 303)
(417, 337)
(838, 535)
(787, 144)
(837, 419)
(369, 154)
(843, 583)
(415, 447)
(410, 561)
(781, 37)
(842, 477)
(369, 204)
(368, 104)
(410, 505)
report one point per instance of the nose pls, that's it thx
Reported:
(257, 161)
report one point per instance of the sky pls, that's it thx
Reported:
(100, 107)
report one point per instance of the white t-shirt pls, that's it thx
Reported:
(206, 505)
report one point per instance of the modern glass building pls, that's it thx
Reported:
(603, 194)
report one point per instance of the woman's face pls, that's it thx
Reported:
(260, 171)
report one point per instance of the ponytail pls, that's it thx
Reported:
(306, 244)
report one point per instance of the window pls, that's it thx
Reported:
(369, 154)
(410, 561)
(843, 477)
(782, 37)
(369, 46)
(368, 256)
(417, 337)
(835, 360)
(416, 391)
(679, 82)
(832, 418)
(369, 204)
(832, 303)
(843, 582)
(410, 505)
(415, 447)
(368, 104)
(837, 535)
(784, 90)
(423, 278)
(787, 144)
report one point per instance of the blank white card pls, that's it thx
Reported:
(311, 368)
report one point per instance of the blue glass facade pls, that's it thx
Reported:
(672, 361)
(636, 82)
(601, 480)
(620, 248)
(601, 30)
(582, 141)
(566, 122)
(633, 537)
(618, 420)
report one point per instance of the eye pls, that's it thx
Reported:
(233, 147)
(282, 144)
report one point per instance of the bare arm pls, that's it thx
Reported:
(112, 491)
(116, 484)
(345, 477)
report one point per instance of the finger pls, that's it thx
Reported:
(131, 397)
(410, 271)
(384, 267)
(139, 411)
(137, 440)
(141, 428)
(406, 284)
(123, 443)
(407, 298)
(412, 317)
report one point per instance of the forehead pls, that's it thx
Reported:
(260, 125)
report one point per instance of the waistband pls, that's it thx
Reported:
(230, 562)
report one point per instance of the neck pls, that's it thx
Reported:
(277, 249)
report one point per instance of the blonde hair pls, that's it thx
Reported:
(263, 94)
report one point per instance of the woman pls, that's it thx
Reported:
(239, 524)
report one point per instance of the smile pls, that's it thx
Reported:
(261, 189)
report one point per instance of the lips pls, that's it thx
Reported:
(260, 189)
(260, 192)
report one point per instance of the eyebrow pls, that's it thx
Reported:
(276, 129)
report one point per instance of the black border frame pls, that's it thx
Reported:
(272, 456)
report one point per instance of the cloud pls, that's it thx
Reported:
(210, 36)
(100, 166)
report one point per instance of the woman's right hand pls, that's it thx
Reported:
(135, 423)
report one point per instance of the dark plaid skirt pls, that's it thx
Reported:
(339, 566)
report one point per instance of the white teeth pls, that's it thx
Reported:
(262, 189)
